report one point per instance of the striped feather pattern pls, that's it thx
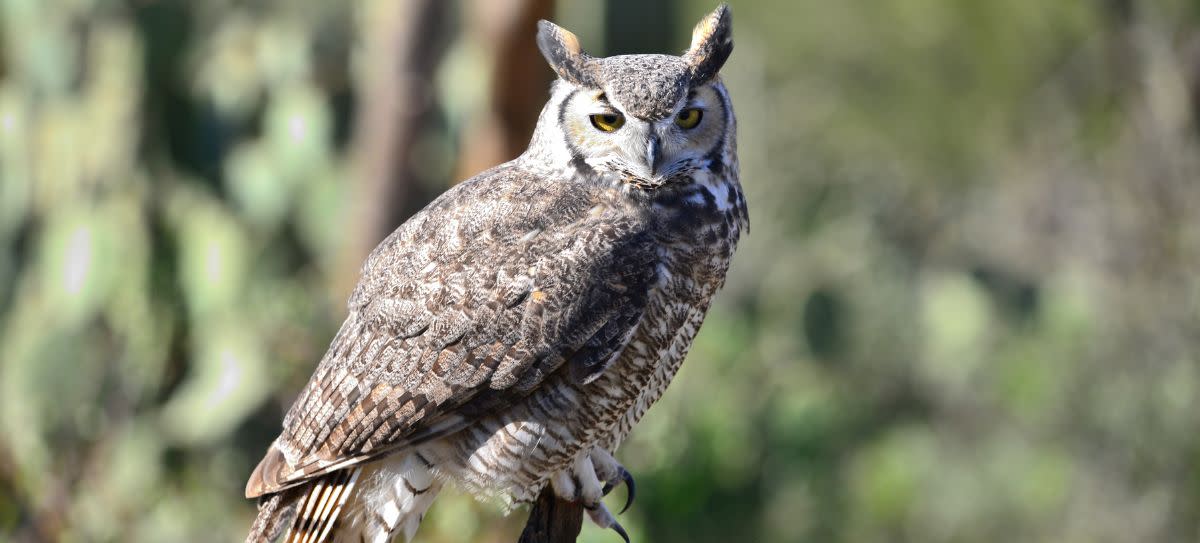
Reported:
(319, 508)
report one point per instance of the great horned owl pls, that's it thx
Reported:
(509, 336)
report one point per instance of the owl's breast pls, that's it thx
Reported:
(697, 229)
(516, 451)
(694, 261)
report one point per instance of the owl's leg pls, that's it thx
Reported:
(581, 483)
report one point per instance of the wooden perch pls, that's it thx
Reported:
(552, 520)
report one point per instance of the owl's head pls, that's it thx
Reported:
(646, 119)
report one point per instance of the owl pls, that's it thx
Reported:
(509, 335)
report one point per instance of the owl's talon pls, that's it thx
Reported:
(613, 473)
(604, 519)
(631, 491)
(621, 531)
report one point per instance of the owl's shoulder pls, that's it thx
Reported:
(509, 214)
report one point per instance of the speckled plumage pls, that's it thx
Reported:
(511, 334)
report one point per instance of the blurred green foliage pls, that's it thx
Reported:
(967, 310)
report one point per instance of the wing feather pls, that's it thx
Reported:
(463, 311)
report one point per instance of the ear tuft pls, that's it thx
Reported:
(561, 49)
(712, 42)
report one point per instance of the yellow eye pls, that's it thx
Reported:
(689, 118)
(607, 122)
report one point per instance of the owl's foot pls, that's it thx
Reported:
(583, 484)
(613, 474)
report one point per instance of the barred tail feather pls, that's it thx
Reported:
(318, 510)
(369, 503)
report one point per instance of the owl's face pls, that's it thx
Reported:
(647, 150)
(648, 120)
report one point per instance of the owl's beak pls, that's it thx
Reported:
(654, 156)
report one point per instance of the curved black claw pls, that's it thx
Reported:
(626, 478)
(620, 531)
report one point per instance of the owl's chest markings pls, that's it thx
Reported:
(700, 217)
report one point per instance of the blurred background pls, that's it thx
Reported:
(968, 309)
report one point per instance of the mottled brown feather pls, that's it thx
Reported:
(400, 363)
